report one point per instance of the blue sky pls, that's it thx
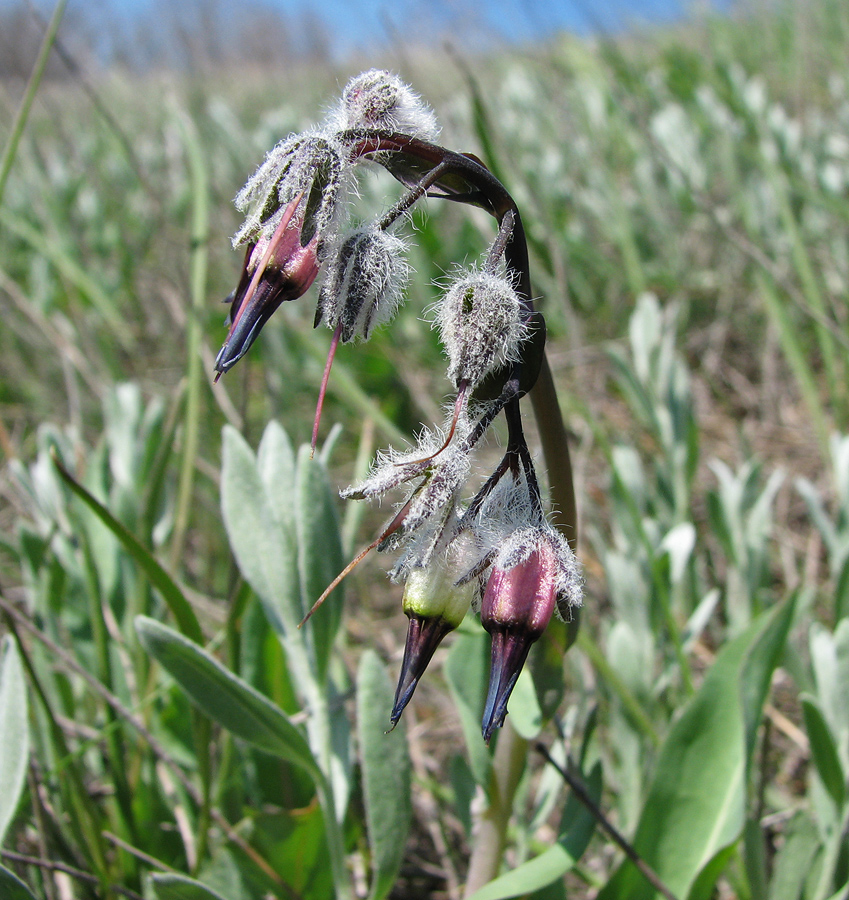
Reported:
(353, 25)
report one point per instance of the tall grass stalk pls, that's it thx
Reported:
(199, 237)
(19, 124)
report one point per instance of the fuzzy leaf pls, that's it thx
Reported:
(14, 733)
(695, 810)
(224, 697)
(320, 557)
(260, 534)
(386, 775)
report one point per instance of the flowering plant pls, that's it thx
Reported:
(495, 551)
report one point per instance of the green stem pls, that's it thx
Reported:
(20, 122)
(199, 254)
(335, 843)
(555, 449)
(490, 831)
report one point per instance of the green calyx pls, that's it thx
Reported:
(432, 592)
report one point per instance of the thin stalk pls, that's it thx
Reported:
(490, 829)
(20, 122)
(580, 790)
(345, 386)
(199, 254)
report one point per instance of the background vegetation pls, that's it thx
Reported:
(686, 196)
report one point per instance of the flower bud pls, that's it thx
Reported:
(379, 100)
(364, 283)
(435, 606)
(517, 606)
(276, 269)
(481, 326)
(311, 166)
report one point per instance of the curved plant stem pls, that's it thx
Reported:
(555, 449)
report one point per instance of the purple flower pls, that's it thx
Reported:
(517, 606)
(276, 269)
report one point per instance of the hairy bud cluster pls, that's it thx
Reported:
(364, 281)
(312, 166)
(378, 99)
(481, 326)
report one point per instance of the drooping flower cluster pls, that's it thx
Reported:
(491, 549)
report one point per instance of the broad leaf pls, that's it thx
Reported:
(275, 460)
(260, 534)
(695, 809)
(14, 733)
(386, 775)
(224, 697)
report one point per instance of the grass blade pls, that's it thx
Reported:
(159, 578)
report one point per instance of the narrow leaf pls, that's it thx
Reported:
(386, 775)
(14, 733)
(12, 888)
(320, 557)
(224, 697)
(178, 887)
(159, 578)
(824, 751)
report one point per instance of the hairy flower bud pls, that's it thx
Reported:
(380, 100)
(311, 165)
(366, 274)
(435, 606)
(481, 326)
(528, 576)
